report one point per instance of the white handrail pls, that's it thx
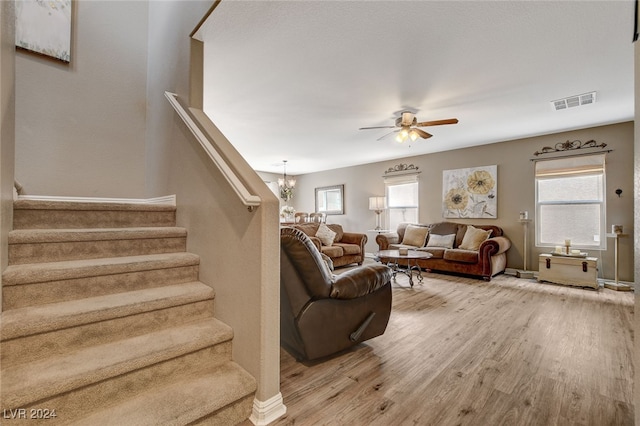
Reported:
(250, 200)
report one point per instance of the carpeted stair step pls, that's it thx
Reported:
(222, 397)
(36, 214)
(32, 333)
(41, 283)
(117, 371)
(34, 245)
(105, 322)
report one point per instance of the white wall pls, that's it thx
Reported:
(636, 234)
(170, 23)
(7, 129)
(80, 127)
(238, 249)
(515, 189)
(101, 126)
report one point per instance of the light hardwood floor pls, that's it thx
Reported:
(462, 351)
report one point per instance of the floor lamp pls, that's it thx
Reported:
(524, 220)
(377, 204)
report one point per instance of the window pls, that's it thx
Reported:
(402, 200)
(570, 202)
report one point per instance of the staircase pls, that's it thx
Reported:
(104, 322)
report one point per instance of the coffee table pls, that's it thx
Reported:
(394, 256)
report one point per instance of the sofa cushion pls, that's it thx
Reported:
(415, 236)
(445, 241)
(473, 237)
(459, 255)
(338, 230)
(399, 246)
(444, 228)
(308, 228)
(348, 249)
(436, 252)
(325, 234)
(333, 251)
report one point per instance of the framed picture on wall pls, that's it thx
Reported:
(44, 27)
(470, 193)
(330, 199)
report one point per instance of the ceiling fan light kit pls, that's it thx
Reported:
(408, 127)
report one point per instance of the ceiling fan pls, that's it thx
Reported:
(407, 127)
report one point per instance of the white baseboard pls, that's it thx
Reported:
(601, 281)
(169, 199)
(265, 412)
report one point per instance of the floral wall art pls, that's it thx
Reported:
(470, 193)
(44, 27)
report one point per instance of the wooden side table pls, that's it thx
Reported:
(616, 285)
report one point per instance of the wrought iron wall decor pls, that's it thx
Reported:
(402, 168)
(569, 146)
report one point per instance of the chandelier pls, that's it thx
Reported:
(286, 184)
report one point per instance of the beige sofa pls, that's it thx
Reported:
(487, 261)
(346, 248)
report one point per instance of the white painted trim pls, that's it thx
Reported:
(265, 412)
(248, 199)
(169, 199)
(601, 281)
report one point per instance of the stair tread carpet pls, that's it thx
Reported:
(41, 379)
(90, 206)
(84, 268)
(55, 316)
(30, 236)
(179, 403)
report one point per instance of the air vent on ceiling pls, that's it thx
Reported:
(574, 101)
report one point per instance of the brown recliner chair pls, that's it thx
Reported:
(322, 313)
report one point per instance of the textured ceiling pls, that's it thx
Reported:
(295, 80)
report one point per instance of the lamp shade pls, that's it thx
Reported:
(377, 203)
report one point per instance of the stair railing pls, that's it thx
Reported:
(246, 197)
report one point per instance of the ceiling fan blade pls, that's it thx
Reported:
(422, 133)
(387, 134)
(437, 122)
(377, 127)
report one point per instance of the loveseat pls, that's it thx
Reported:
(345, 247)
(478, 254)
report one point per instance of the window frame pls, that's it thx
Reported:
(396, 181)
(571, 170)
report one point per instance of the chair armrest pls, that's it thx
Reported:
(384, 240)
(360, 281)
(354, 238)
(494, 246)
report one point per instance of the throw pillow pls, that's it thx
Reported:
(415, 235)
(325, 235)
(473, 237)
(445, 241)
